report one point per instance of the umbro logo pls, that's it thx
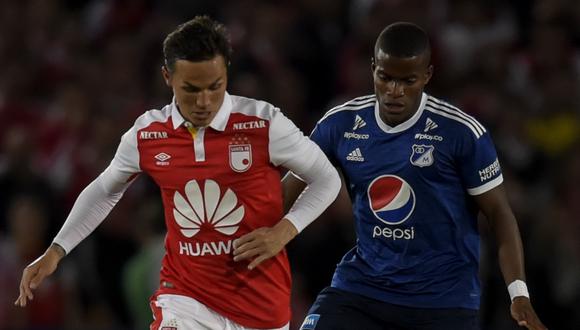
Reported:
(358, 123)
(162, 159)
(355, 156)
(429, 125)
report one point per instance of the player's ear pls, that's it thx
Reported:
(373, 65)
(428, 73)
(166, 75)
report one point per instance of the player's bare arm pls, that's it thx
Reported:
(36, 271)
(494, 205)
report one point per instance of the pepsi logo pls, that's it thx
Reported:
(391, 199)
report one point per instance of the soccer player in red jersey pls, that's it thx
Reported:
(216, 159)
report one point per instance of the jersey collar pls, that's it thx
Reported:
(218, 123)
(404, 125)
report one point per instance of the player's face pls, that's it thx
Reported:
(199, 88)
(399, 84)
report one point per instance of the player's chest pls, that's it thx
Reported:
(204, 153)
(409, 155)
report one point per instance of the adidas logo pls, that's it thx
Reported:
(358, 123)
(355, 156)
(205, 208)
(429, 125)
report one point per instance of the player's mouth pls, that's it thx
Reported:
(200, 115)
(394, 107)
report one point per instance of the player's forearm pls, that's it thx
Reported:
(57, 250)
(494, 204)
(292, 187)
(286, 230)
(510, 250)
(90, 209)
(323, 187)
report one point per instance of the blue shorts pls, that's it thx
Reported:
(336, 309)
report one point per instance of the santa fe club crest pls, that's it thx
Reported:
(240, 157)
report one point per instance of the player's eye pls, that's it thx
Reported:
(191, 90)
(215, 87)
(384, 77)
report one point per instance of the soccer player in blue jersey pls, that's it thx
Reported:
(418, 171)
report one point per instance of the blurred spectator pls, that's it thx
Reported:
(53, 306)
(18, 176)
(141, 271)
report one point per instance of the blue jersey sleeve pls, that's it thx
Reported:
(478, 164)
(322, 135)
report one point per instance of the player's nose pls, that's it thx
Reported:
(395, 89)
(203, 100)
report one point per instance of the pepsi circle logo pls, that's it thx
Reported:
(391, 199)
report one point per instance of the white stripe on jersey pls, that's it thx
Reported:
(461, 116)
(459, 119)
(485, 187)
(354, 104)
(454, 109)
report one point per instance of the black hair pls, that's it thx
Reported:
(199, 39)
(403, 39)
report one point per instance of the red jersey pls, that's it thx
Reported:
(217, 184)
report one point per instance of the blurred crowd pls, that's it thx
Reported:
(76, 74)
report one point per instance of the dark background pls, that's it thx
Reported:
(76, 74)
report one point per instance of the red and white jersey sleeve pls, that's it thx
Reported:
(291, 149)
(97, 200)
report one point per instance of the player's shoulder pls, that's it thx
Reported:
(153, 116)
(355, 109)
(252, 107)
(455, 119)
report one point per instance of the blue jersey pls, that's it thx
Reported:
(410, 187)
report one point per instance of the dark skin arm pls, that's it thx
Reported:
(494, 205)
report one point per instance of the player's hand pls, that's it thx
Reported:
(34, 273)
(523, 312)
(263, 243)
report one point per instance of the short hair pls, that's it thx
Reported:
(199, 39)
(403, 39)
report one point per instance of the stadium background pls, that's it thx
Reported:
(75, 74)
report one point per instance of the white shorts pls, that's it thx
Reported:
(175, 312)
